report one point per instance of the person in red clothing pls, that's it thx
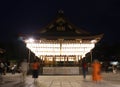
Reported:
(96, 75)
(35, 69)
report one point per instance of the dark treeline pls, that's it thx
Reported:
(105, 52)
(14, 50)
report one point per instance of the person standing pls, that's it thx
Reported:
(96, 73)
(1, 72)
(24, 69)
(84, 69)
(2, 67)
(35, 70)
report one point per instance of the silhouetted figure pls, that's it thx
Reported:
(24, 69)
(84, 69)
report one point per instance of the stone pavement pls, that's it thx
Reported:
(112, 78)
(109, 80)
(72, 81)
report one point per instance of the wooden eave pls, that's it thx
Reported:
(90, 37)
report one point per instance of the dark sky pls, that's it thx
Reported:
(24, 16)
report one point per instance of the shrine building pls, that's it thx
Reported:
(61, 45)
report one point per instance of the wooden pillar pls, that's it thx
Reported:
(67, 60)
(64, 60)
(75, 60)
(54, 61)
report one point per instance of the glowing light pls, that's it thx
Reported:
(41, 49)
(93, 41)
(30, 40)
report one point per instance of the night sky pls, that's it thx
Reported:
(26, 16)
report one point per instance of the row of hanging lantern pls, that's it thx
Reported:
(57, 49)
(55, 45)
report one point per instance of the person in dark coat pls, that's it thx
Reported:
(84, 69)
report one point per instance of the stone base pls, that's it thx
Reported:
(60, 70)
